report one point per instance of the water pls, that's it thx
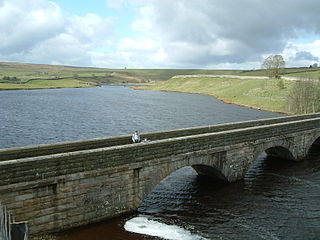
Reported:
(45, 116)
(277, 199)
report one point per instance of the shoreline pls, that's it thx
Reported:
(218, 98)
(145, 86)
(132, 85)
(18, 89)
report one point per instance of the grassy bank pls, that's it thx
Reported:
(257, 93)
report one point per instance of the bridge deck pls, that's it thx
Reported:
(73, 146)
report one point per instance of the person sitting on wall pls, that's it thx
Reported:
(136, 137)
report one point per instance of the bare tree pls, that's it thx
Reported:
(274, 64)
(304, 96)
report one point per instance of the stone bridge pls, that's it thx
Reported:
(64, 185)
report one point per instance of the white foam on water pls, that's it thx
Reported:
(143, 225)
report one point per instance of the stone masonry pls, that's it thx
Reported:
(64, 185)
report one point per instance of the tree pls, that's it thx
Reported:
(274, 64)
(304, 96)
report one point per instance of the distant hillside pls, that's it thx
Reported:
(33, 76)
(26, 72)
(302, 72)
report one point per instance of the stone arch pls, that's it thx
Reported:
(209, 171)
(282, 149)
(274, 149)
(280, 152)
(150, 177)
(312, 141)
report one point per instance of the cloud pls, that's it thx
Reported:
(206, 32)
(304, 55)
(120, 4)
(63, 49)
(115, 4)
(164, 33)
(138, 52)
(91, 29)
(37, 31)
(25, 23)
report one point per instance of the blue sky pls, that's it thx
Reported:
(123, 16)
(77, 7)
(218, 34)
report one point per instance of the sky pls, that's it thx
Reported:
(201, 34)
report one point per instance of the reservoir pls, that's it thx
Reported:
(31, 117)
(276, 200)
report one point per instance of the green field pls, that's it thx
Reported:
(257, 93)
(14, 75)
(24, 76)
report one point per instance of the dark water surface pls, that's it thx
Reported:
(44, 116)
(277, 199)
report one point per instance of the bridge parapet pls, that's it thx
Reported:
(73, 146)
(44, 167)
